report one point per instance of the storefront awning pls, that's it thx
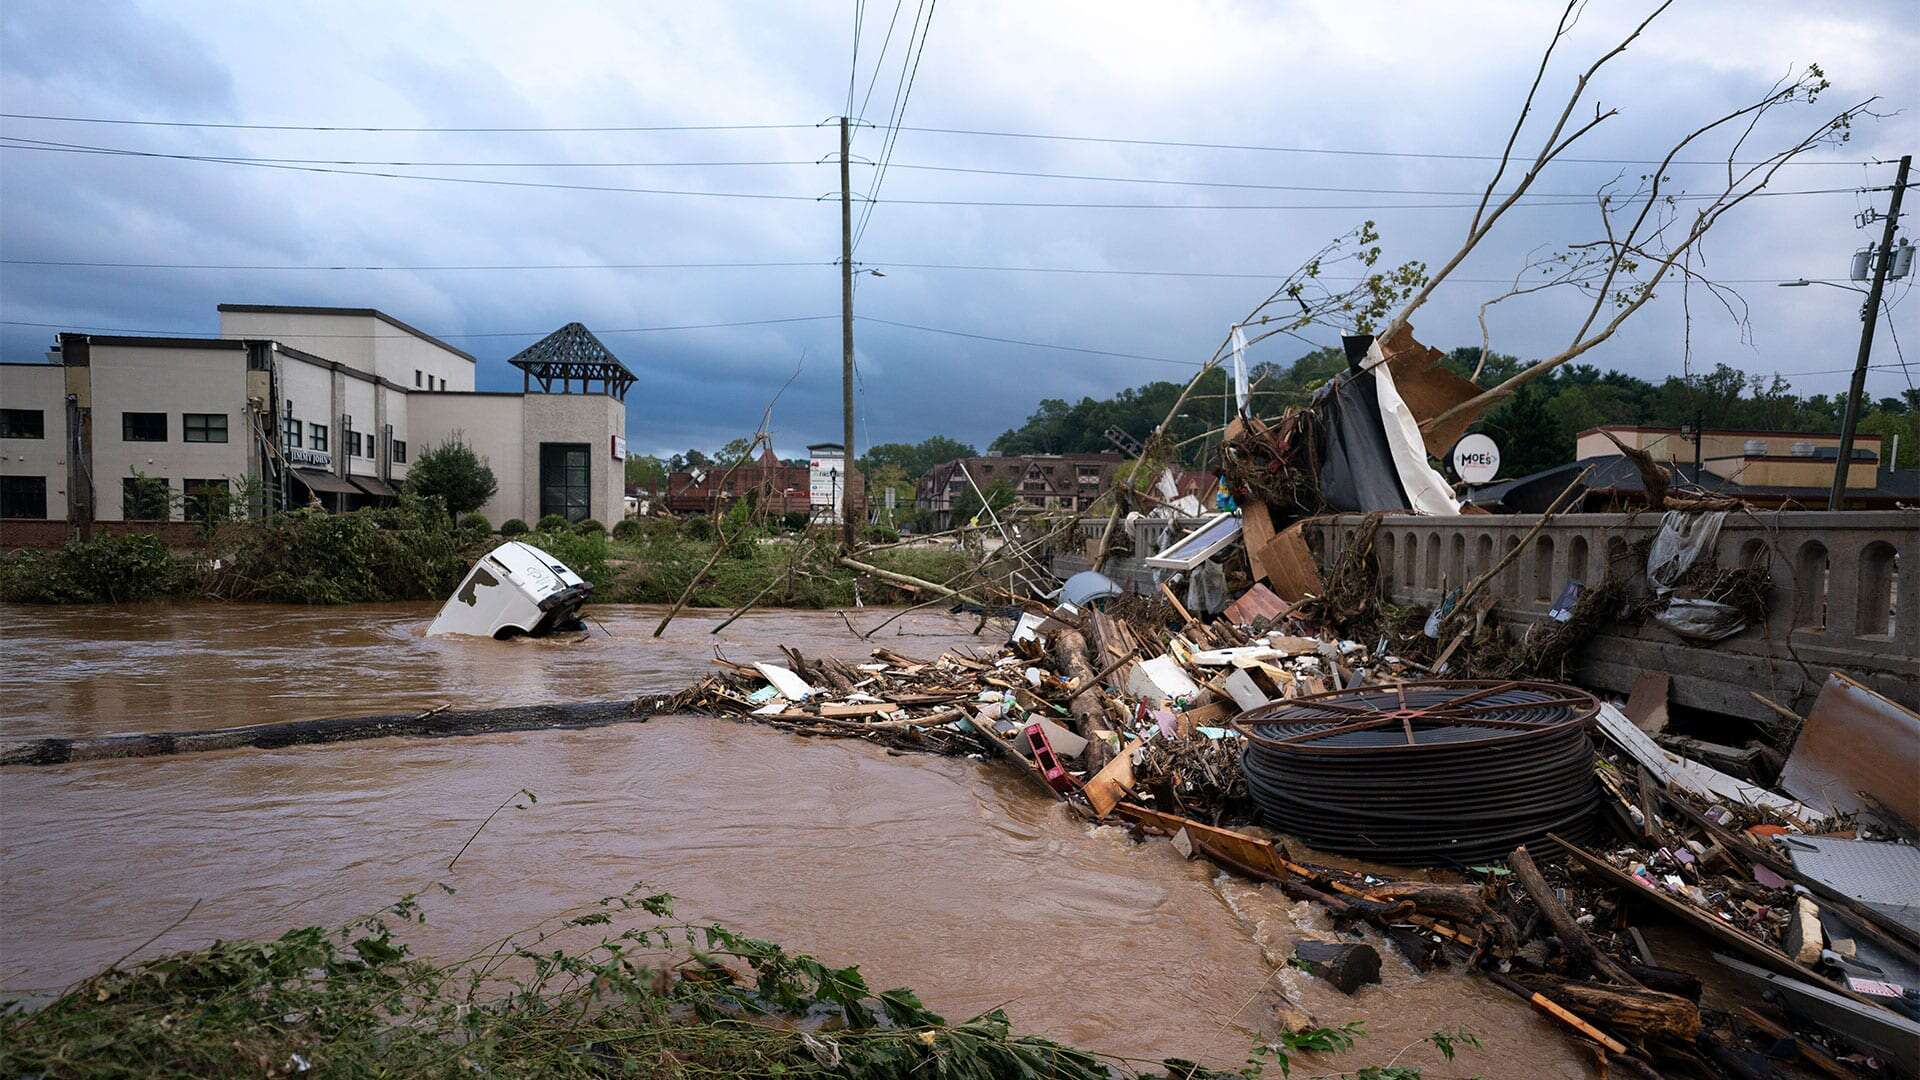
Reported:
(324, 481)
(374, 486)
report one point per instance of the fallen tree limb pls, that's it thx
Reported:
(432, 724)
(907, 579)
(1574, 940)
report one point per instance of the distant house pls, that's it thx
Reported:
(812, 487)
(1039, 481)
(1765, 468)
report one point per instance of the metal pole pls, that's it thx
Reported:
(1871, 317)
(847, 533)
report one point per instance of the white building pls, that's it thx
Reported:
(296, 405)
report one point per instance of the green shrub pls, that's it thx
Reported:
(551, 523)
(454, 474)
(403, 552)
(629, 530)
(699, 528)
(103, 570)
(512, 527)
(589, 525)
(475, 523)
(879, 534)
(585, 553)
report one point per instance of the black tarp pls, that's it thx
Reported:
(1356, 464)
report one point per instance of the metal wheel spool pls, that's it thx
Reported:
(1427, 773)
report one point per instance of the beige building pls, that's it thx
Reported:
(1784, 459)
(296, 405)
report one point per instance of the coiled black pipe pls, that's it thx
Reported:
(1443, 772)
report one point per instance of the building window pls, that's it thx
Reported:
(416, 377)
(353, 444)
(23, 496)
(565, 480)
(204, 500)
(144, 498)
(143, 426)
(293, 433)
(399, 452)
(203, 427)
(317, 437)
(23, 424)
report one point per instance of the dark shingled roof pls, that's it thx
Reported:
(572, 352)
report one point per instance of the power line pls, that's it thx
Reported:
(882, 60)
(1031, 344)
(10, 143)
(956, 169)
(976, 132)
(1230, 275)
(791, 265)
(442, 334)
(404, 130)
(82, 264)
(74, 148)
(902, 93)
(1180, 144)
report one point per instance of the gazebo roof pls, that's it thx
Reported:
(572, 352)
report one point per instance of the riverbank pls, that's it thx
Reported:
(412, 552)
(652, 996)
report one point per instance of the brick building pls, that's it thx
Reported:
(811, 487)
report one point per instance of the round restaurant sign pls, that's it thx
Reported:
(1476, 458)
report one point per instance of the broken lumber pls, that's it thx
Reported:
(1631, 1011)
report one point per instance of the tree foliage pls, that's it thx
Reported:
(913, 459)
(1536, 427)
(646, 472)
(453, 473)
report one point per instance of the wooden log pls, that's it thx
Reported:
(434, 723)
(1559, 1012)
(1089, 715)
(1573, 939)
(1348, 965)
(1631, 1011)
(1454, 903)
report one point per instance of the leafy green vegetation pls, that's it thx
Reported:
(408, 551)
(453, 473)
(660, 997)
(620, 987)
(103, 570)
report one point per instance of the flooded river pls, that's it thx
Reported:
(944, 874)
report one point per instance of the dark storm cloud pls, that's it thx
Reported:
(1308, 74)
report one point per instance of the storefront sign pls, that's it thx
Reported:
(619, 448)
(299, 456)
(1476, 458)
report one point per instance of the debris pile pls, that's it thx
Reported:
(1547, 828)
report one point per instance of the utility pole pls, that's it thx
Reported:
(1883, 258)
(847, 533)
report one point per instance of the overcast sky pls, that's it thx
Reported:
(1388, 78)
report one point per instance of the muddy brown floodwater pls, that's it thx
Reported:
(943, 874)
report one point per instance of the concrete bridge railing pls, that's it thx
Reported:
(1840, 600)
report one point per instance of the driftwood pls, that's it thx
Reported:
(435, 723)
(1637, 1013)
(1089, 715)
(1579, 947)
(1347, 965)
